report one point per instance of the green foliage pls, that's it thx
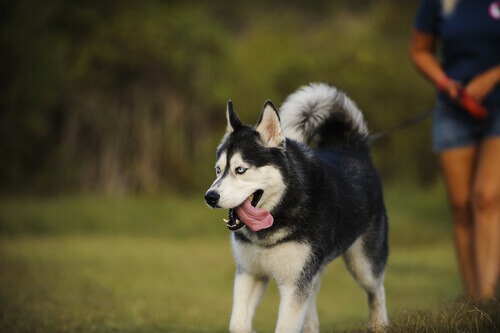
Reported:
(129, 96)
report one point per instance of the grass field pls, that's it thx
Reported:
(164, 264)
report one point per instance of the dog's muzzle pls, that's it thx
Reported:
(212, 198)
(233, 222)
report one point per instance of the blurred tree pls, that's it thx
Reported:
(128, 96)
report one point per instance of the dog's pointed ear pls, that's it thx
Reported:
(269, 127)
(233, 121)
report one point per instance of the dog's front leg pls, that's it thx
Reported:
(248, 291)
(293, 307)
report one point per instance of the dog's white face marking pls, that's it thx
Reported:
(238, 179)
(220, 166)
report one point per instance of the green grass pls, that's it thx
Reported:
(458, 316)
(170, 216)
(100, 264)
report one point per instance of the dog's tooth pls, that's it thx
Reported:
(225, 221)
(250, 198)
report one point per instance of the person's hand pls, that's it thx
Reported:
(462, 96)
(475, 108)
(481, 85)
(450, 87)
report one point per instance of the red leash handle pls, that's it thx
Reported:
(472, 106)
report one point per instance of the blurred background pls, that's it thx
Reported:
(129, 96)
(110, 113)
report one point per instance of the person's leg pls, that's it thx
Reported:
(486, 212)
(457, 165)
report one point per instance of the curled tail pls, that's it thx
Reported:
(322, 111)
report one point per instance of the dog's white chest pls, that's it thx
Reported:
(283, 262)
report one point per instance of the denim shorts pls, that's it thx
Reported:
(454, 127)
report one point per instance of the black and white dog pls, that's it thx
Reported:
(293, 209)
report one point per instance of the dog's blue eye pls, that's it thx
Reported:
(240, 170)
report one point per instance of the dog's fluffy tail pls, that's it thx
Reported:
(322, 111)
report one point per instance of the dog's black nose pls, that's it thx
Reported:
(212, 197)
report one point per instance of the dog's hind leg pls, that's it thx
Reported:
(248, 292)
(370, 276)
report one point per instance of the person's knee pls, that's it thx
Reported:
(485, 198)
(460, 208)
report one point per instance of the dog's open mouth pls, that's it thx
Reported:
(234, 222)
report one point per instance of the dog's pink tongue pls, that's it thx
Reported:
(255, 218)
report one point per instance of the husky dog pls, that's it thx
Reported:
(293, 209)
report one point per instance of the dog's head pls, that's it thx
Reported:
(249, 170)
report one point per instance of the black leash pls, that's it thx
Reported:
(406, 123)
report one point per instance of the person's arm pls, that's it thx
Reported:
(481, 85)
(422, 52)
